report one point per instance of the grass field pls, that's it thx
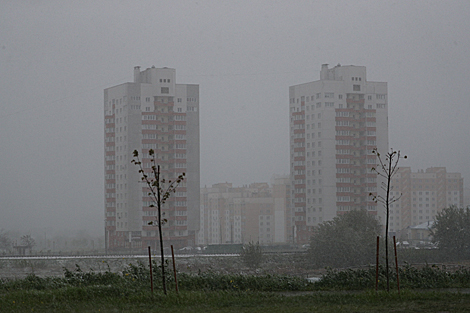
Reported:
(108, 299)
(425, 290)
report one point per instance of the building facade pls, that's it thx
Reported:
(254, 213)
(335, 123)
(421, 195)
(152, 112)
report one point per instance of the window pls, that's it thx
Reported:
(342, 123)
(356, 87)
(329, 95)
(344, 142)
(165, 90)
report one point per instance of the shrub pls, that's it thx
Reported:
(252, 255)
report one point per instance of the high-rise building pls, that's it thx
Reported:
(153, 112)
(421, 195)
(335, 123)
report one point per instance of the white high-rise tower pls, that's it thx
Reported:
(153, 112)
(335, 122)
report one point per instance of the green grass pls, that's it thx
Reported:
(338, 291)
(102, 299)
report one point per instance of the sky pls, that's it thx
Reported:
(56, 57)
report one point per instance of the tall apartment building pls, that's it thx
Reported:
(254, 213)
(335, 123)
(422, 195)
(153, 112)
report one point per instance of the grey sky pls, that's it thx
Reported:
(56, 57)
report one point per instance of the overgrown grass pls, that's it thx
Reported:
(137, 277)
(428, 277)
(129, 291)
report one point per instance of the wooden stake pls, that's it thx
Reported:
(377, 266)
(396, 264)
(151, 274)
(174, 268)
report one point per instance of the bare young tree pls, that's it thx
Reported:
(159, 190)
(386, 168)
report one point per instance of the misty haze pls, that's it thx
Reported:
(292, 142)
(274, 112)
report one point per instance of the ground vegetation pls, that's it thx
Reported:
(129, 291)
(451, 232)
(347, 240)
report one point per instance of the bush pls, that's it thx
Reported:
(252, 255)
(347, 240)
(451, 231)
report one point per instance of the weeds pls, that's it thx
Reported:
(213, 281)
(428, 277)
(252, 255)
(136, 278)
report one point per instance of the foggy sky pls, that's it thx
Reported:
(56, 57)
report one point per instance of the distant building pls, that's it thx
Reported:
(335, 123)
(466, 197)
(422, 195)
(254, 213)
(419, 235)
(153, 112)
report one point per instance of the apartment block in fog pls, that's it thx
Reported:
(422, 195)
(335, 123)
(254, 213)
(152, 112)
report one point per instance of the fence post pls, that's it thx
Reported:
(151, 274)
(377, 266)
(174, 268)
(396, 264)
